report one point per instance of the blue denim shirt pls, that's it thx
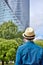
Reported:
(29, 54)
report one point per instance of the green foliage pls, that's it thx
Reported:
(10, 39)
(19, 40)
(39, 42)
(7, 64)
(8, 49)
(19, 34)
(8, 30)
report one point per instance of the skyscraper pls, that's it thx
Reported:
(16, 10)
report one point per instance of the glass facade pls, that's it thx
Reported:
(16, 10)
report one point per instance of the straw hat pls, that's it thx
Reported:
(29, 33)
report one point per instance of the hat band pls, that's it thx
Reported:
(28, 36)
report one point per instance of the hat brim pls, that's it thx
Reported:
(23, 35)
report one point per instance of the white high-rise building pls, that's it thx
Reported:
(16, 10)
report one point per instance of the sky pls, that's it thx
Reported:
(36, 17)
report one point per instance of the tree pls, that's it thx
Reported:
(10, 39)
(8, 50)
(19, 41)
(8, 30)
(19, 34)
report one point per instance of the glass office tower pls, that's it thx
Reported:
(15, 10)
